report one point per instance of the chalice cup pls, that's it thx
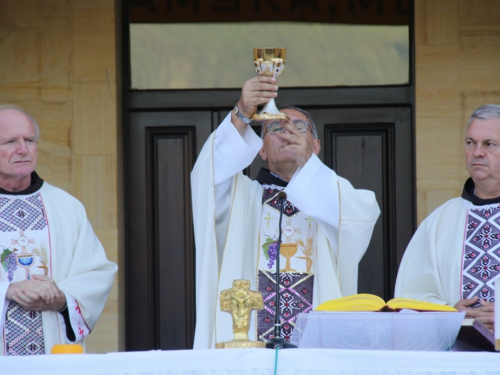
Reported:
(288, 250)
(269, 62)
(26, 260)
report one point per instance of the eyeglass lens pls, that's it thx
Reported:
(276, 126)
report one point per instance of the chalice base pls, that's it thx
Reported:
(269, 112)
(240, 344)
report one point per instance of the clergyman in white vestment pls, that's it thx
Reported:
(454, 256)
(54, 275)
(327, 224)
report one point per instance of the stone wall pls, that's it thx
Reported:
(57, 60)
(457, 70)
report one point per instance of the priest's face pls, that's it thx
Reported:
(482, 155)
(18, 150)
(285, 151)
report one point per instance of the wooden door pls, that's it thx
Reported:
(160, 251)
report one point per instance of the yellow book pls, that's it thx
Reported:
(371, 302)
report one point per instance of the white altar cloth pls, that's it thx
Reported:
(256, 361)
(404, 330)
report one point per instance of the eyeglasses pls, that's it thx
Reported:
(277, 126)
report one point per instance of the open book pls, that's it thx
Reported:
(371, 302)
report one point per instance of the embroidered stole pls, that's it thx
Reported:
(298, 253)
(25, 251)
(481, 255)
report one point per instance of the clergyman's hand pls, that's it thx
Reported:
(299, 144)
(38, 294)
(256, 91)
(485, 314)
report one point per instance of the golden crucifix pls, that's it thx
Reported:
(239, 301)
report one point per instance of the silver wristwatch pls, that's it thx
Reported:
(240, 115)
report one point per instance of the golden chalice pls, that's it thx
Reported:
(288, 250)
(269, 62)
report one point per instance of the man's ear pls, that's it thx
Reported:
(262, 154)
(316, 146)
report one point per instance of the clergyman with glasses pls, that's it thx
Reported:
(327, 224)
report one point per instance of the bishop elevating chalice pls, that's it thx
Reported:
(269, 62)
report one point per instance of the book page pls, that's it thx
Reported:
(356, 302)
(413, 304)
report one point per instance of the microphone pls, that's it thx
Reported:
(278, 342)
(281, 196)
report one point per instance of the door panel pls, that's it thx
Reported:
(160, 258)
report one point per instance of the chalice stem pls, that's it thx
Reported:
(287, 268)
(271, 108)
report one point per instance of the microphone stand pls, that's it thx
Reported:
(278, 342)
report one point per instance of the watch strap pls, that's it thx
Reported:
(240, 115)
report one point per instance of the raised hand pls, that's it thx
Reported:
(256, 91)
(297, 143)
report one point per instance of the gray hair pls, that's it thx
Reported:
(305, 113)
(485, 112)
(19, 109)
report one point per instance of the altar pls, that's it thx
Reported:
(256, 361)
